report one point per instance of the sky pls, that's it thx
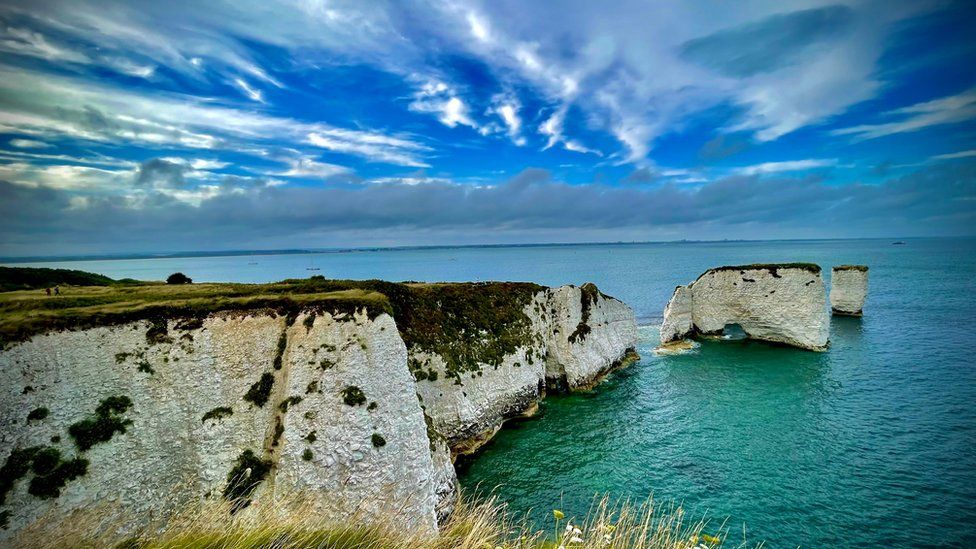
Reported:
(138, 127)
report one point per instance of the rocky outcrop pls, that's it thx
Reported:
(782, 303)
(323, 404)
(315, 389)
(573, 336)
(848, 289)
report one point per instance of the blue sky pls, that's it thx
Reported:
(148, 126)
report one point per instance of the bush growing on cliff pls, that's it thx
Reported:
(178, 278)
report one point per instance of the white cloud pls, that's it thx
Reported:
(785, 166)
(552, 128)
(955, 155)
(947, 110)
(309, 167)
(28, 144)
(253, 93)
(507, 109)
(207, 164)
(438, 98)
(45, 105)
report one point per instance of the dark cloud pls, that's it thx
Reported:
(161, 173)
(769, 44)
(939, 200)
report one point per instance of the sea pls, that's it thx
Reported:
(871, 443)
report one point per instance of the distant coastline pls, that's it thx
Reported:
(355, 249)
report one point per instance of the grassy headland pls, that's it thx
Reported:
(466, 323)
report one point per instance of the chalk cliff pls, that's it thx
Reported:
(782, 303)
(322, 392)
(568, 338)
(848, 289)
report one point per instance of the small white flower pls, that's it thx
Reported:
(569, 527)
(577, 531)
(576, 539)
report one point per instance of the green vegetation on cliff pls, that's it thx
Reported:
(467, 324)
(27, 278)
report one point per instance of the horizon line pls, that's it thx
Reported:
(354, 249)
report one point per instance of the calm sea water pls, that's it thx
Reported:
(871, 443)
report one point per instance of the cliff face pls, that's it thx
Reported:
(316, 394)
(778, 303)
(574, 336)
(208, 402)
(848, 289)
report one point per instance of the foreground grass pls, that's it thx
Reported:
(291, 524)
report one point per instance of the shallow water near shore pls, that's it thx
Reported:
(870, 443)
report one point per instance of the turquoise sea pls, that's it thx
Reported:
(872, 443)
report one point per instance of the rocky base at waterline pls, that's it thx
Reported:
(848, 289)
(148, 396)
(780, 303)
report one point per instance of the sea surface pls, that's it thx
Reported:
(872, 443)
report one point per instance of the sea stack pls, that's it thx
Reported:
(848, 289)
(781, 303)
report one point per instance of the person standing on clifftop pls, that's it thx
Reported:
(57, 290)
(48, 290)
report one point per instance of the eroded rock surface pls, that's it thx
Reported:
(208, 399)
(848, 289)
(574, 336)
(782, 303)
(361, 412)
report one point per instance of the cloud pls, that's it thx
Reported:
(308, 167)
(45, 105)
(937, 200)
(440, 99)
(956, 155)
(640, 175)
(947, 110)
(785, 166)
(768, 44)
(28, 144)
(552, 128)
(253, 93)
(160, 173)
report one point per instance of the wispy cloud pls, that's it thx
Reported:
(785, 166)
(45, 105)
(947, 110)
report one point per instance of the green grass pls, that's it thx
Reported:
(862, 268)
(27, 278)
(771, 267)
(467, 324)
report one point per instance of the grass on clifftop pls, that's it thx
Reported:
(290, 523)
(465, 323)
(28, 312)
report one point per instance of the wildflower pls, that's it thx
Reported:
(558, 514)
(569, 527)
(711, 540)
(610, 528)
(577, 531)
(693, 539)
(576, 539)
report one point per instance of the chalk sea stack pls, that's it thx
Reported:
(848, 289)
(780, 303)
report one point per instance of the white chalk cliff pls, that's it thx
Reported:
(848, 289)
(327, 403)
(577, 335)
(782, 303)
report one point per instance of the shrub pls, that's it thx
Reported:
(353, 396)
(378, 440)
(37, 414)
(178, 278)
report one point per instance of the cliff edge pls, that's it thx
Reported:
(147, 396)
